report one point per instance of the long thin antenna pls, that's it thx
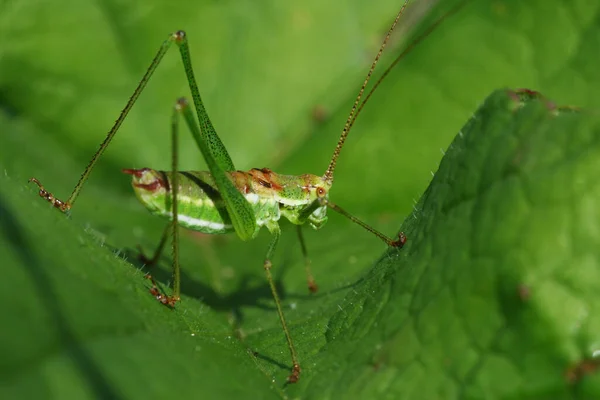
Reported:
(336, 153)
(356, 108)
(407, 50)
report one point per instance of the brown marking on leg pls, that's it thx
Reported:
(49, 197)
(312, 286)
(399, 243)
(179, 37)
(166, 300)
(295, 375)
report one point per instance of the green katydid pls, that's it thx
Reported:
(223, 199)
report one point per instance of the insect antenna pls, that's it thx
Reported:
(407, 50)
(338, 148)
(358, 105)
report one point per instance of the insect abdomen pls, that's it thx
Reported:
(200, 206)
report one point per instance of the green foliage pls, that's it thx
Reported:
(493, 296)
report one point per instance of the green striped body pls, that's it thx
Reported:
(201, 208)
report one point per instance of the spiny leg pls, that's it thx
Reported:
(49, 197)
(174, 223)
(312, 285)
(214, 142)
(150, 262)
(399, 243)
(276, 231)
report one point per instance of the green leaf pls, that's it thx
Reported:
(495, 295)
(80, 321)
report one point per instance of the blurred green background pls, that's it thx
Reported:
(278, 79)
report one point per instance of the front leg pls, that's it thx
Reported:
(276, 231)
(312, 285)
(398, 243)
(173, 225)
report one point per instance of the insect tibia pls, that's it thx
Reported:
(49, 197)
(398, 243)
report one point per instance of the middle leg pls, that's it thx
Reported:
(312, 285)
(276, 231)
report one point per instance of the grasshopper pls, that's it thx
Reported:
(223, 199)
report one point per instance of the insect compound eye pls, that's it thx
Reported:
(320, 192)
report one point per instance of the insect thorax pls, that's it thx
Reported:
(297, 195)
